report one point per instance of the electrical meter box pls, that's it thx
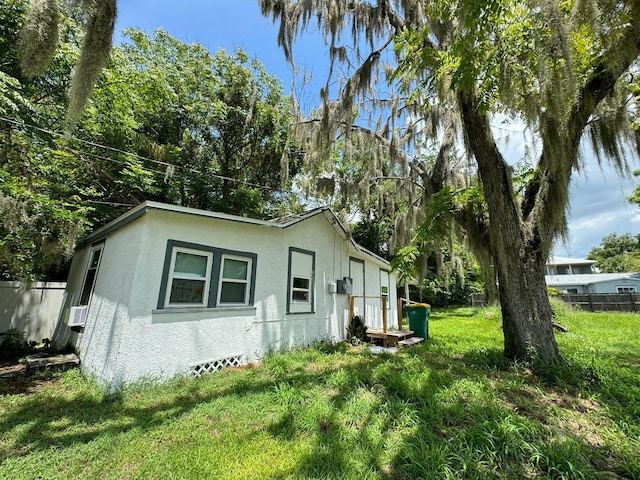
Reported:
(345, 286)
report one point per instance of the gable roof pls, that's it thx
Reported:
(281, 222)
(589, 278)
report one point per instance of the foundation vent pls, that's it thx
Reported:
(215, 365)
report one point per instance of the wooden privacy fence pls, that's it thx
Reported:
(591, 302)
(604, 302)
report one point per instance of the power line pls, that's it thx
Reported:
(135, 155)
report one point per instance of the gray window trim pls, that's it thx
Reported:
(214, 278)
(313, 281)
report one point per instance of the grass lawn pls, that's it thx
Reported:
(452, 408)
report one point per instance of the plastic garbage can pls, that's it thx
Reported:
(418, 314)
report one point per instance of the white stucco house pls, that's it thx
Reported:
(166, 290)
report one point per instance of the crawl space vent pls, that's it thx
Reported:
(215, 365)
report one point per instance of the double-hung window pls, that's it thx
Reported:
(234, 281)
(189, 282)
(300, 289)
(199, 276)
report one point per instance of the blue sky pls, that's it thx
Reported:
(598, 205)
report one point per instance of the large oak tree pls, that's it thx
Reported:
(457, 66)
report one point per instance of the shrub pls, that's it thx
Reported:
(357, 329)
(13, 344)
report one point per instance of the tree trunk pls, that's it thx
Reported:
(526, 312)
(491, 294)
(517, 246)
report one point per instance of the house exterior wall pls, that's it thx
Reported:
(612, 286)
(108, 318)
(127, 336)
(570, 288)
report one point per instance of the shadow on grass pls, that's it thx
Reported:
(419, 414)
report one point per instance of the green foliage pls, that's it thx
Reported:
(561, 310)
(617, 253)
(357, 330)
(404, 263)
(446, 273)
(180, 125)
(455, 291)
(635, 196)
(373, 233)
(13, 344)
(216, 123)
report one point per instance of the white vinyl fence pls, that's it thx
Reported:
(31, 308)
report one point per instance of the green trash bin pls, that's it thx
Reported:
(418, 314)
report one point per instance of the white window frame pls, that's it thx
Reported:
(246, 282)
(182, 276)
(626, 288)
(298, 289)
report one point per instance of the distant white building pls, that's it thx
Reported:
(570, 266)
(573, 275)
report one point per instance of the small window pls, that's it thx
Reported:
(301, 290)
(189, 278)
(90, 276)
(572, 291)
(234, 281)
(626, 289)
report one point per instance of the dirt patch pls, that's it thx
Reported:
(11, 369)
(16, 379)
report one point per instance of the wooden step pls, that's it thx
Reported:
(46, 360)
(407, 342)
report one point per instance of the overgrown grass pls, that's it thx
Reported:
(453, 408)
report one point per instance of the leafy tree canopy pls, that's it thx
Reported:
(617, 253)
(635, 196)
(168, 121)
(215, 127)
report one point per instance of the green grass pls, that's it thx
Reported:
(453, 408)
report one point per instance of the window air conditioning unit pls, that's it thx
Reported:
(77, 316)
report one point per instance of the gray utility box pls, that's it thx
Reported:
(345, 286)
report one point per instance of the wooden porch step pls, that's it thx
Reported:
(407, 342)
(46, 360)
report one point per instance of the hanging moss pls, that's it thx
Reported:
(96, 48)
(39, 36)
